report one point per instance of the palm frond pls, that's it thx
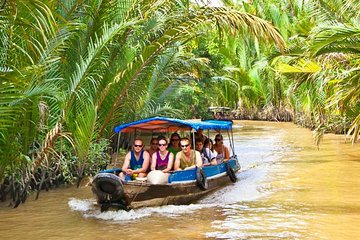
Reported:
(84, 81)
(83, 130)
(225, 17)
(302, 66)
(336, 38)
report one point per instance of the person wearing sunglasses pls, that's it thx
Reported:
(136, 162)
(174, 145)
(223, 153)
(187, 158)
(162, 159)
(154, 146)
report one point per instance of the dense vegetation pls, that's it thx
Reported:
(70, 70)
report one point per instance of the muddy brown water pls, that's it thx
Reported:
(287, 189)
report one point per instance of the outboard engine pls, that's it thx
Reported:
(109, 191)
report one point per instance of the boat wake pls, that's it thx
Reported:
(246, 188)
(89, 209)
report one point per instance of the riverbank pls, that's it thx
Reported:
(15, 193)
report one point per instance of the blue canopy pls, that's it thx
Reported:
(172, 125)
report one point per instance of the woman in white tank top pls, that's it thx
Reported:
(223, 153)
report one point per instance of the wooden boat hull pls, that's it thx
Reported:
(181, 189)
(145, 195)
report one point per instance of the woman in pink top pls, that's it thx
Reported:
(163, 159)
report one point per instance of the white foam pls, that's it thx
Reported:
(89, 210)
(81, 205)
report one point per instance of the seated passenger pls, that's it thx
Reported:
(153, 146)
(187, 158)
(162, 159)
(223, 153)
(136, 161)
(174, 146)
(208, 158)
(211, 146)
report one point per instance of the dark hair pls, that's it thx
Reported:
(175, 134)
(199, 140)
(161, 137)
(154, 138)
(207, 141)
(219, 136)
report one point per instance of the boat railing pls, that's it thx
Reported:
(190, 174)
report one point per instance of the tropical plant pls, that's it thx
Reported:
(327, 70)
(71, 70)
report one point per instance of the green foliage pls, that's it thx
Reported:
(324, 67)
(71, 70)
(98, 157)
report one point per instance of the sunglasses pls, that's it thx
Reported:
(135, 145)
(185, 146)
(162, 145)
(154, 143)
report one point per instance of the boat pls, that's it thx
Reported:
(182, 187)
(220, 113)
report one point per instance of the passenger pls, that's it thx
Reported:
(174, 146)
(200, 134)
(187, 158)
(153, 146)
(136, 161)
(211, 146)
(207, 156)
(162, 159)
(223, 153)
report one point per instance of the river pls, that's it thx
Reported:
(287, 189)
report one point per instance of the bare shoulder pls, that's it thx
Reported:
(146, 154)
(128, 155)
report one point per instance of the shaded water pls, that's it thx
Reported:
(287, 189)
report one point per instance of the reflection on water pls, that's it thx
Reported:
(287, 189)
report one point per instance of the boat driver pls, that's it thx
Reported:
(187, 158)
(136, 161)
